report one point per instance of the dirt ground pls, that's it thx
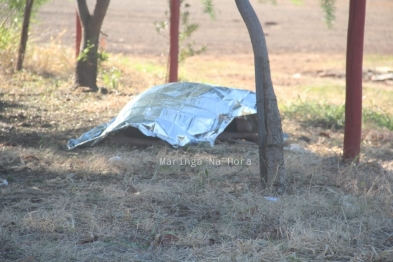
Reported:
(289, 28)
(121, 203)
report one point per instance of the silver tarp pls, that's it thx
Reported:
(178, 113)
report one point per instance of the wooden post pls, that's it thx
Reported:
(354, 75)
(78, 35)
(174, 40)
(24, 34)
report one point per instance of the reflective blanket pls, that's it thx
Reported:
(179, 113)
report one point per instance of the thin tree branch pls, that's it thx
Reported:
(24, 34)
(254, 27)
(99, 14)
(84, 13)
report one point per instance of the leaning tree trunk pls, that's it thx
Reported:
(24, 34)
(86, 66)
(271, 157)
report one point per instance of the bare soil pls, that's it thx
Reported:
(297, 36)
(289, 28)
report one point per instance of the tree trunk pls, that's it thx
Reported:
(24, 35)
(86, 66)
(271, 157)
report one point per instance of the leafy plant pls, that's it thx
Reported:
(325, 115)
(8, 37)
(333, 116)
(187, 46)
(274, 2)
(12, 11)
(11, 17)
(188, 29)
(379, 117)
(111, 77)
(83, 54)
(329, 8)
(208, 8)
(102, 56)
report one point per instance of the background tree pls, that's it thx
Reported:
(12, 13)
(24, 34)
(86, 66)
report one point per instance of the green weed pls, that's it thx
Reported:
(8, 45)
(378, 117)
(333, 116)
(187, 47)
(317, 114)
(111, 77)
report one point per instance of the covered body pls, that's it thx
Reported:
(179, 113)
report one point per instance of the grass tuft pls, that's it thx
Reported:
(378, 117)
(332, 116)
(317, 114)
(122, 203)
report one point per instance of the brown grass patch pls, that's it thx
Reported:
(110, 203)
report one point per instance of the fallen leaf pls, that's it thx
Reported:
(164, 239)
(324, 134)
(21, 116)
(27, 259)
(87, 240)
(31, 158)
(23, 124)
(9, 224)
(271, 23)
(35, 200)
(132, 190)
(211, 241)
(305, 139)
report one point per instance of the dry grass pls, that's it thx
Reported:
(82, 206)
(110, 203)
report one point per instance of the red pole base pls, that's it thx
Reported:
(174, 41)
(354, 67)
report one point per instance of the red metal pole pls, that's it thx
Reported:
(78, 37)
(354, 66)
(174, 40)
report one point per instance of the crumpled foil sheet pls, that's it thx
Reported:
(179, 113)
